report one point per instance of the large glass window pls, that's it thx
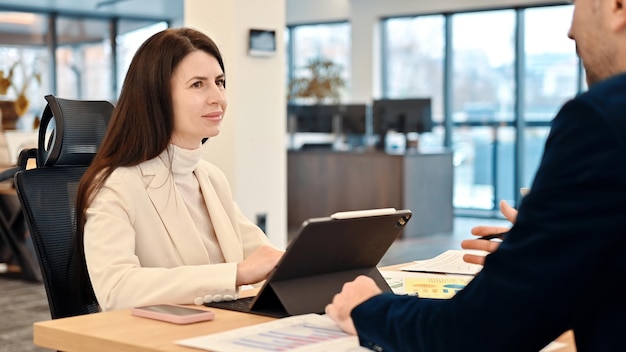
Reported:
(483, 84)
(131, 34)
(484, 90)
(24, 66)
(413, 66)
(414, 59)
(328, 41)
(84, 59)
(76, 64)
(484, 169)
(551, 77)
(483, 77)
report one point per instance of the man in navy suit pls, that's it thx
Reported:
(562, 265)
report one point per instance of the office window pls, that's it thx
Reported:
(414, 59)
(131, 34)
(24, 66)
(483, 77)
(84, 58)
(330, 41)
(483, 86)
(551, 76)
(534, 141)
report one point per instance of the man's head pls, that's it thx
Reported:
(599, 29)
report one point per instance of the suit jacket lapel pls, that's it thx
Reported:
(173, 212)
(222, 223)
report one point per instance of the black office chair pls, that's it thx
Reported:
(69, 136)
(13, 227)
(22, 162)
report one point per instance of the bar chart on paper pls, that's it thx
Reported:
(310, 332)
(435, 287)
(425, 285)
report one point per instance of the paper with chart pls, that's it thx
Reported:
(425, 285)
(448, 262)
(435, 287)
(301, 333)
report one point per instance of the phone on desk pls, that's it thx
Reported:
(173, 313)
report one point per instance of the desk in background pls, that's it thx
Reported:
(322, 182)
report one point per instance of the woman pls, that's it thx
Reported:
(156, 223)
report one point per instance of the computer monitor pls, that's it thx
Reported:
(310, 118)
(320, 118)
(402, 115)
(353, 119)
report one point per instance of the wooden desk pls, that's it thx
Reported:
(120, 331)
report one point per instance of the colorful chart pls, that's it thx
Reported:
(435, 287)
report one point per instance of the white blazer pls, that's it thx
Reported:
(142, 247)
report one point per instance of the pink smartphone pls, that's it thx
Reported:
(173, 313)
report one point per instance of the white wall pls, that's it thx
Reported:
(365, 15)
(251, 146)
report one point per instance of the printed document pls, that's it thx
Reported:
(301, 333)
(448, 262)
(425, 285)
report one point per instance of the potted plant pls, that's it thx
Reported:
(321, 82)
(11, 110)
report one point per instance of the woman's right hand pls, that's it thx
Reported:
(490, 246)
(257, 266)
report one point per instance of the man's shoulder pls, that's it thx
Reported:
(606, 99)
(609, 90)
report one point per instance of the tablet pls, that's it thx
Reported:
(326, 253)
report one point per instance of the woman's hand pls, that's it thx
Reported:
(490, 246)
(258, 265)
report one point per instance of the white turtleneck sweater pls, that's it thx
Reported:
(184, 162)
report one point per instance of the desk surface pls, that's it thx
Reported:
(120, 331)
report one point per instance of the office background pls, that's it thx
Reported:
(497, 71)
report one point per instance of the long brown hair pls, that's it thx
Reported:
(141, 126)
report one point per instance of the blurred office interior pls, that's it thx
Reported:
(493, 92)
(494, 74)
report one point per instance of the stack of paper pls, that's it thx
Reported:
(448, 262)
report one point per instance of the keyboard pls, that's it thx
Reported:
(239, 305)
(244, 305)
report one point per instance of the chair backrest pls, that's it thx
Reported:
(22, 163)
(69, 136)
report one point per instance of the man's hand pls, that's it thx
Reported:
(352, 294)
(490, 246)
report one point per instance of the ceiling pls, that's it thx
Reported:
(160, 9)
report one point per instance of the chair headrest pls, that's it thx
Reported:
(71, 131)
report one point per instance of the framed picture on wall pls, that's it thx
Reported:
(262, 42)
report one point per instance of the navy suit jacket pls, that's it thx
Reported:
(562, 266)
